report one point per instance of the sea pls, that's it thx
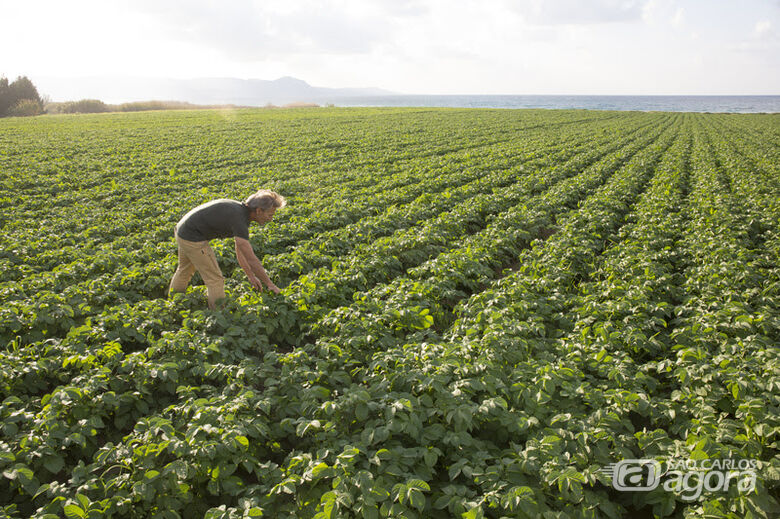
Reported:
(670, 103)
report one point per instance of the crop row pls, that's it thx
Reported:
(369, 419)
(488, 360)
(50, 314)
(108, 182)
(140, 329)
(120, 249)
(427, 296)
(99, 382)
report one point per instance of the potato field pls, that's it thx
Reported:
(481, 311)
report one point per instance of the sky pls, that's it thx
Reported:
(587, 47)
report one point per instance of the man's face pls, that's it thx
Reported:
(263, 217)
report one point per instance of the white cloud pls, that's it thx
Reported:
(679, 17)
(659, 11)
(412, 46)
(762, 28)
(557, 12)
(254, 30)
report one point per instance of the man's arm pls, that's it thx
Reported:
(252, 266)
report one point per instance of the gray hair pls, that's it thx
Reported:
(265, 200)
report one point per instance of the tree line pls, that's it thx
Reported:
(19, 97)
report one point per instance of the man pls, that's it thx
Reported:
(223, 219)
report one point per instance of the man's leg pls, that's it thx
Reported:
(185, 268)
(205, 262)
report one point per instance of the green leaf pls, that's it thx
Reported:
(361, 411)
(473, 513)
(380, 493)
(699, 455)
(348, 454)
(417, 499)
(24, 474)
(430, 458)
(84, 500)
(321, 469)
(418, 483)
(42, 490)
(735, 390)
(369, 512)
(74, 512)
(7, 457)
(328, 503)
(519, 497)
(53, 463)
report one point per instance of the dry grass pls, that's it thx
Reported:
(95, 106)
(301, 105)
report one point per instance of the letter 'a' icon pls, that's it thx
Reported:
(634, 475)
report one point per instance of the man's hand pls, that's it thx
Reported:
(256, 283)
(252, 267)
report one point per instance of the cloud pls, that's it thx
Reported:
(402, 8)
(255, 30)
(762, 28)
(763, 42)
(679, 17)
(661, 11)
(577, 12)
(499, 46)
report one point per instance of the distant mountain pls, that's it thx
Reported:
(250, 92)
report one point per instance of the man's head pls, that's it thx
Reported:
(263, 204)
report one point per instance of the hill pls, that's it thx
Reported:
(204, 91)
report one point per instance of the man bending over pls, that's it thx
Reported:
(222, 219)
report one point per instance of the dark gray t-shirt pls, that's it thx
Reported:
(217, 219)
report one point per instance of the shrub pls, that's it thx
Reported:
(26, 107)
(85, 106)
(140, 106)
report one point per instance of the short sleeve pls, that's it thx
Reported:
(240, 229)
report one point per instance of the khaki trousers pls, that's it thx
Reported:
(198, 255)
